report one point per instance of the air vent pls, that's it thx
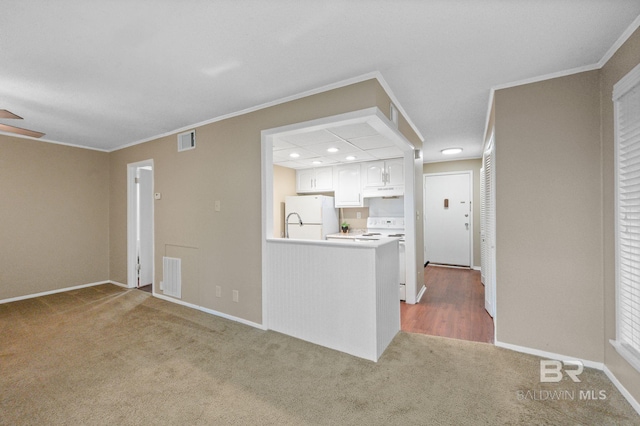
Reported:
(186, 140)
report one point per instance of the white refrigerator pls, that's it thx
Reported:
(317, 213)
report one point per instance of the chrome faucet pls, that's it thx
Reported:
(286, 223)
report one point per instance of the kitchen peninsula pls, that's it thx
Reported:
(341, 294)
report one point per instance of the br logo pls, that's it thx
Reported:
(551, 370)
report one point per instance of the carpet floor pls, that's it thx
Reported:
(107, 355)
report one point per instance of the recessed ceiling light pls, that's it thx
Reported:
(333, 149)
(450, 151)
(316, 162)
(350, 158)
(294, 155)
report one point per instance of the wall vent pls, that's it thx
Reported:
(172, 274)
(186, 140)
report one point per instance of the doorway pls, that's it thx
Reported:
(448, 218)
(140, 245)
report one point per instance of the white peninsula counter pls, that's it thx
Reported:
(342, 294)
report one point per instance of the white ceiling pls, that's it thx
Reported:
(105, 74)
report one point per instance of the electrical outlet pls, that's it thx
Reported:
(236, 295)
(218, 291)
(358, 215)
(216, 205)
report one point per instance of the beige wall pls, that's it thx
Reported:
(284, 183)
(458, 166)
(625, 59)
(224, 247)
(54, 218)
(548, 214)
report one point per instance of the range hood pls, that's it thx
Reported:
(383, 191)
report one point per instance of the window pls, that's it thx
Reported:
(626, 98)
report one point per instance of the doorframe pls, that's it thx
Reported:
(132, 225)
(471, 207)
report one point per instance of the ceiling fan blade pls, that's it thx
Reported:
(20, 131)
(8, 114)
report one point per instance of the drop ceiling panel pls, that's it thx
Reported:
(310, 138)
(321, 148)
(351, 131)
(387, 152)
(371, 142)
(360, 156)
(281, 144)
(285, 154)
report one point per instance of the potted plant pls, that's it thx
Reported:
(345, 227)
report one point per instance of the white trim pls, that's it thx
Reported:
(626, 83)
(46, 293)
(476, 268)
(117, 283)
(131, 221)
(550, 355)
(626, 354)
(550, 76)
(634, 403)
(421, 293)
(210, 311)
(358, 79)
(623, 37)
(448, 160)
(15, 135)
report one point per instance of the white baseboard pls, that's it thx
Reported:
(476, 268)
(210, 311)
(46, 293)
(118, 284)
(549, 355)
(592, 364)
(420, 293)
(635, 404)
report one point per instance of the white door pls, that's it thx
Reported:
(145, 226)
(488, 220)
(447, 216)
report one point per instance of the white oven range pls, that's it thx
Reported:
(391, 227)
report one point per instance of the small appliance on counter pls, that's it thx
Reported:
(310, 217)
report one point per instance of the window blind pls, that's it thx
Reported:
(627, 117)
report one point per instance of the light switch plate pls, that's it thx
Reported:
(157, 196)
(216, 205)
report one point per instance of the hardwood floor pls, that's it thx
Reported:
(452, 306)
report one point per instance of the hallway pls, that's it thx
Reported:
(452, 306)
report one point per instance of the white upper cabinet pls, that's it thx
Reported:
(348, 190)
(382, 177)
(314, 180)
(374, 173)
(395, 172)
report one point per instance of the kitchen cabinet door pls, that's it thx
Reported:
(314, 180)
(348, 187)
(373, 172)
(395, 172)
(324, 179)
(304, 180)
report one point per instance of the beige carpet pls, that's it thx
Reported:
(105, 355)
